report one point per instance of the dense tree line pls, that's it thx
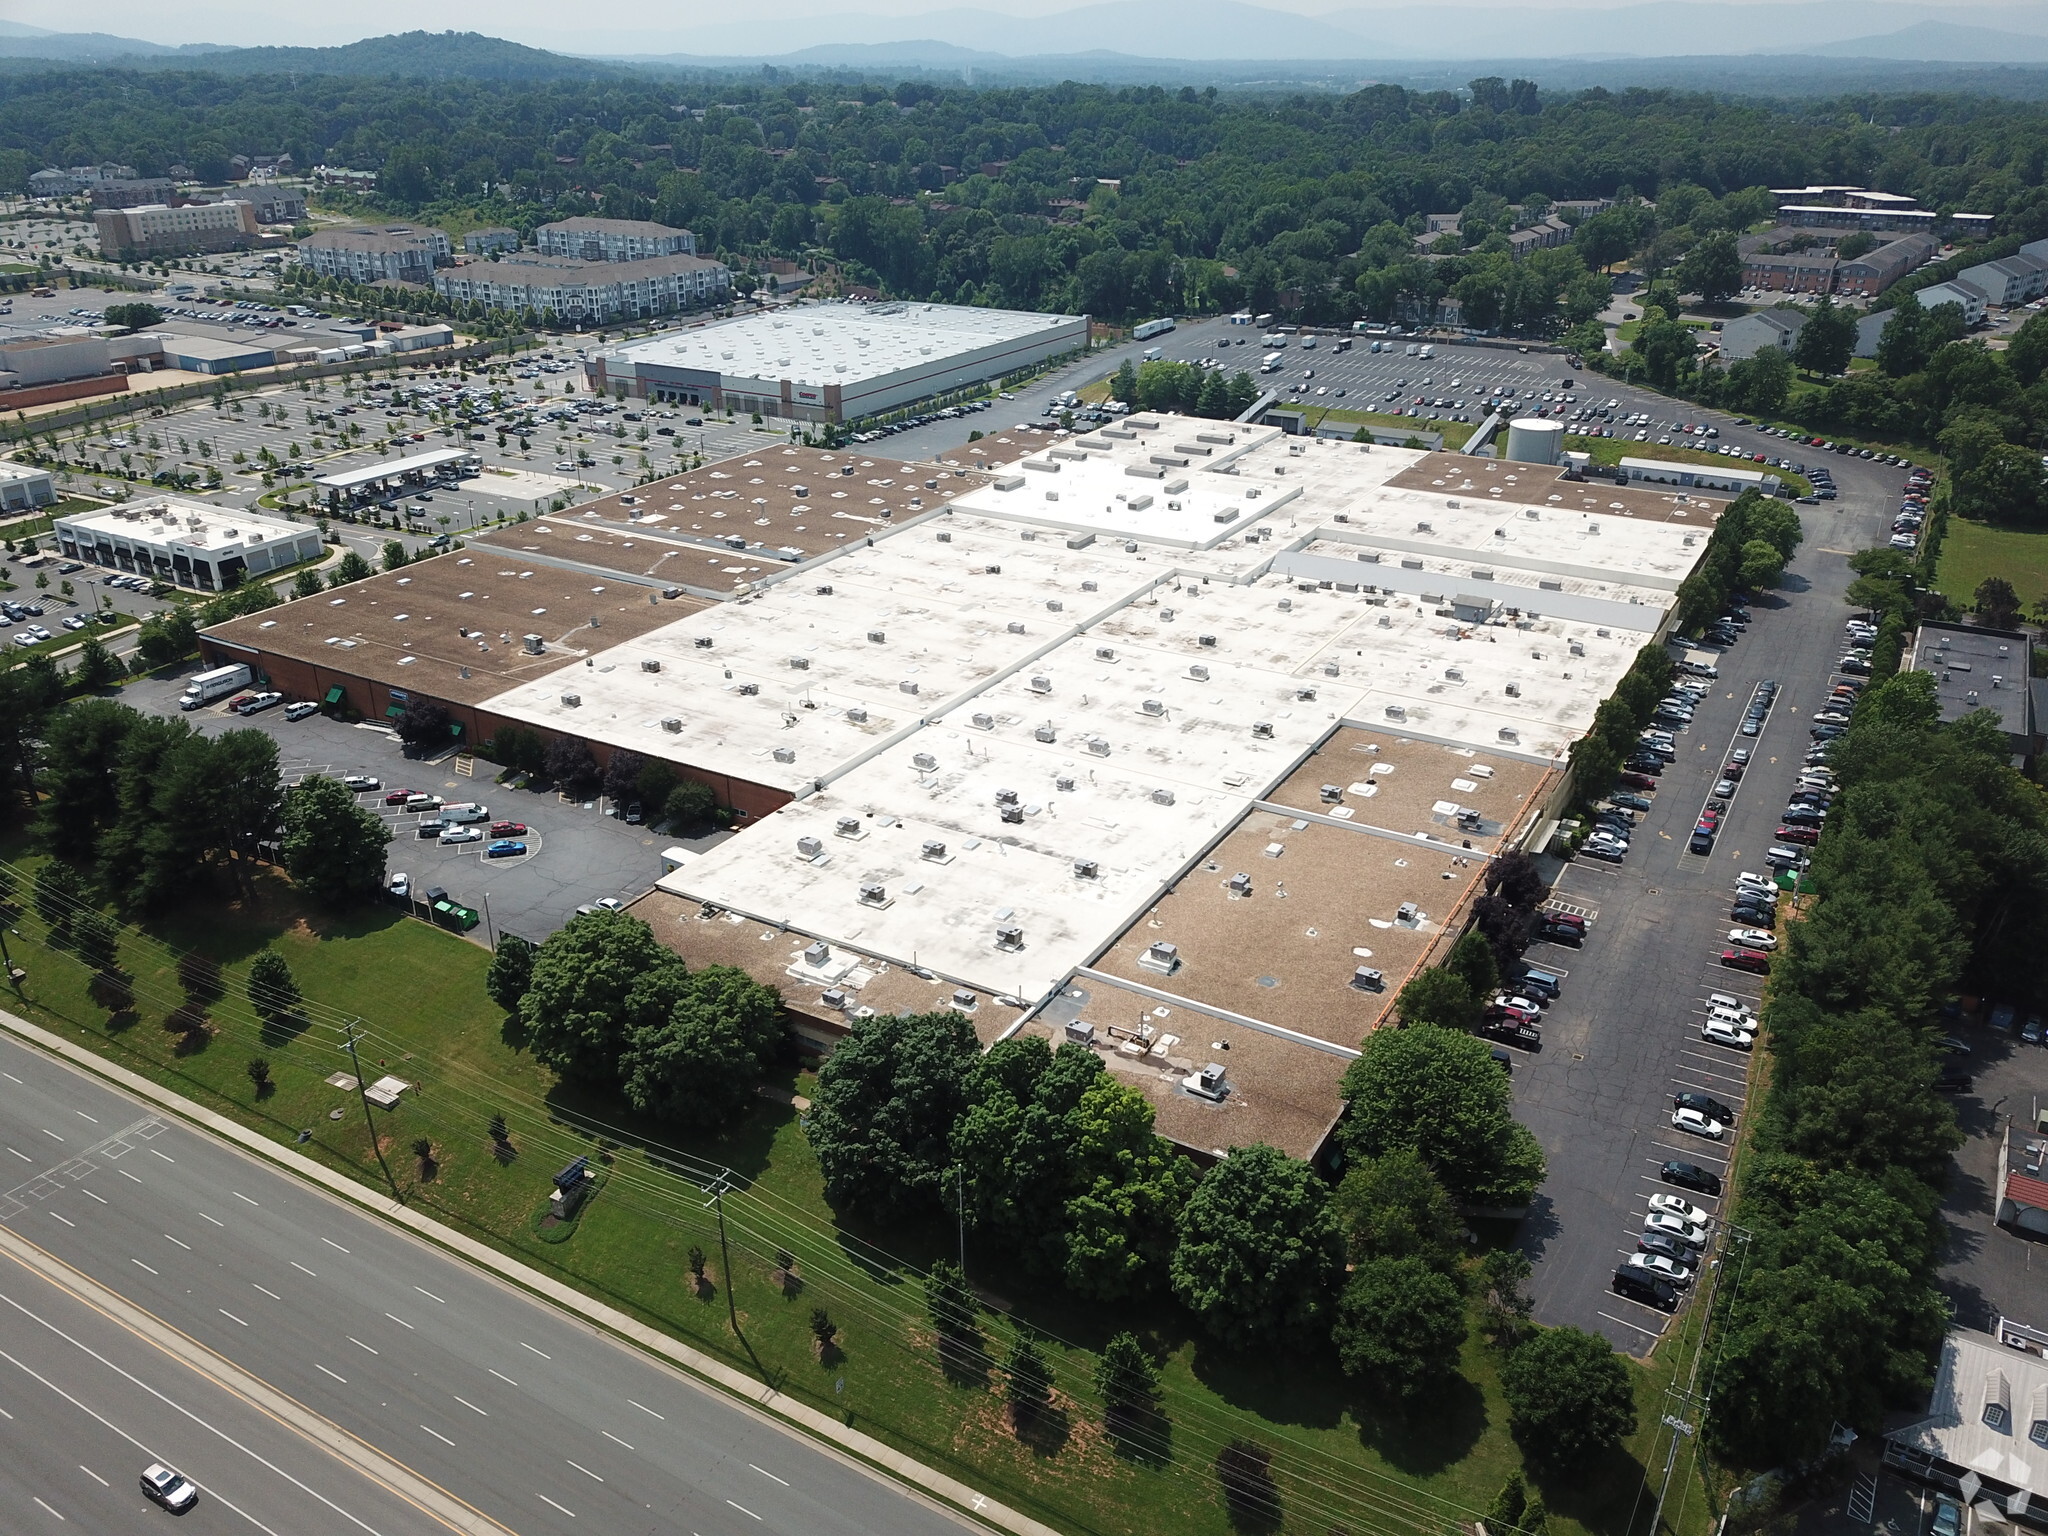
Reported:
(1120, 201)
(1933, 882)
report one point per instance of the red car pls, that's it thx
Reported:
(507, 828)
(1807, 836)
(1568, 919)
(1732, 771)
(1638, 781)
(397, 796)
(1746, 960)
(236, 704)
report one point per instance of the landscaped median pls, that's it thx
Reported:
(500, 1125)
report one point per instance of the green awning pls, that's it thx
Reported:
(334, 694)
(394, 711)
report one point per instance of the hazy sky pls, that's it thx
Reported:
(621, 26)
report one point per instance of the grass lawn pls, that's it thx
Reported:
(1972, 551)
(1342, 1459)
(1454, 432)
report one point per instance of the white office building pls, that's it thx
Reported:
(186, 543)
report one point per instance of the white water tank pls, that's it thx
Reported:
(1534, 440)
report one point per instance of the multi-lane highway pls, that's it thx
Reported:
(165, 1296)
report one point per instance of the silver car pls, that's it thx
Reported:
(169, 1487)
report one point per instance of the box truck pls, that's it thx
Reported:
(217, 684)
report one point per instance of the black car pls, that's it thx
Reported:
(1691, 1176)
(1754, 917)
(1706, 1104)
(1561, 933)
(1629, 802)
(1648, 1290)
(1644, 762)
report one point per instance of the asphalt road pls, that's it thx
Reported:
(1625, 1035)
(450, 1377)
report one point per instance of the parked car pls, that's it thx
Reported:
(1675, 1272)
(361, 783)
(300, 710)
(1693, 1123)
(1706, 1104)
(461, 835)
(1753, 938)
(1560, 933)
(1723, 1032)
(1647, 1289)
(1690, 1176)
(397, 796)
(505, 848)
(508, 829)
(1691, 1233)
(1680, 1207)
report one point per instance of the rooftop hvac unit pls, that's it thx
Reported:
(1262, 730)
(1330, 669)
(799, 490)
(819, 951)
(1006, 797)
(1454, 674)
(908, 685)
(823, 591)
(1396, 712)
(1009, 937)
(1153, 707)
(1086, 869)
(809, 848)
(533, 644)
(1366, 979)
(1305, 695)
(785, 754)
(650, 664)
(1208, 641)
(1199, 673)
(1041, 685)
(800, 663)
(1286, 605)
(992, 570)
(847, 826)
(1509, 734)
(1089, 586)
(935, 850)
(1098, 746)
(835, 997)
(1408, 913)
(1011, 814)
(1080, 1032)
(874, 895)
(1015, 627)
(1046, 734)
(1208, 1082)
(571, 700)
(877, 637)
(1064, 783)
(984, 722)
(1054, 605)
(1162, 796)
(748, 690)
(962, 998)
(1577, 648)
(1162, 957)
(944, 536)
(1331, 794)
(1166, 615)
(923, 762)
(735, 541)
(1239, 885)
(703, 642)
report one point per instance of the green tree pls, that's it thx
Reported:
(698, 1066)
(954, 1314)
(59, 896)
(1251, 1497)
(1504, 1514)
(84, 742)
(96, 940)
(1129, 1186)
(167, 637)
(96, 667)
(1761, 566)
(1827, 341)
(1441, 1094)
(510, 972)
(1393, 1207)
(273, 991)
(133, 317)
(1569, 1396)
(1712, 269)
(426, 727)
(1125, 386)
(307, 583)
(1128, 1383)
(1472, 961)
(394, 556)
(1027, 1382)
(1259, 1252)
(1439, 996)
(882, 1117)
(1400, 1323)
(333, 847)
(350, 567)
(595, 983)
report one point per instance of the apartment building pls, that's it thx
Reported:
(401, 253)
(571, 289)
(612, 240)
(156, 229)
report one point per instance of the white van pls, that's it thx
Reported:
(1427, 351)
(1413, 349)
(1153, 354)
(465, 811)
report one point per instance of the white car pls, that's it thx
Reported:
(169, 1487)
(1691, 1233)
(1693, 1123)
(1762, 884)
(1670, 1271)
(361, 783)
(1680, 1207)
(461, 835)
(1718, 1031)
(1510, 1000)
(1753, 938)
(1721, 1000)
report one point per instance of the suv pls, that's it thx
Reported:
(1647, 1289)
(1690, 1176)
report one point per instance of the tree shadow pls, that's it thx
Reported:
(964, 1360)
(1598, 1492)
(1427, 1434)
(1250, 1496)
(1045, 1431)
(514, 1032)
(1280, 1386)
(282, 1029)
(192, 1042)
(1140, 1433)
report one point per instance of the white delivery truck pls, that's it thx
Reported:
(217, 684)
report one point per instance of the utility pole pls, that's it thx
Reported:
(368, 1119)
(725, 1254)
(13, 976)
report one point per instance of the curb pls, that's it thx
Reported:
(959, 1499)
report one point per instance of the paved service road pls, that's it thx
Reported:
(1625, 1035)
(524, 1414)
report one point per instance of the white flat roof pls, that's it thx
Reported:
(194, 524)
(349, 479)
(838, 343)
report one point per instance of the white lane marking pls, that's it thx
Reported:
(503, 1377)
(214, 1219)
(121, 1171)
(84, 1116)
(267, 1291)
(22, 1155)
(240, 1196)
(330, 1242)
(335, 1374)
(647, 1410)
(437, 1434)
(54, 1137)
(164, 1155)
(541, 1352)
(65, 1219)
(11, 1078)
(224, 1312)
(1638, 1327)
(614, 1438)
(770, 1475)
(52, 1511)
(744, 1510)
(170, 1239)
(359, 1344)
(88, 1471)
(584, 1470)
(429, 1295)
(472, 1407)
(91, 1196)
(140, 1265)
(562, 1507)
(303, 1270)
(398, 1320)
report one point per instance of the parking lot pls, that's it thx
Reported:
(577, 854)
(1625, 1036)
(1990, 1271)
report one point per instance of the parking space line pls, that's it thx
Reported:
(1655, 1333)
